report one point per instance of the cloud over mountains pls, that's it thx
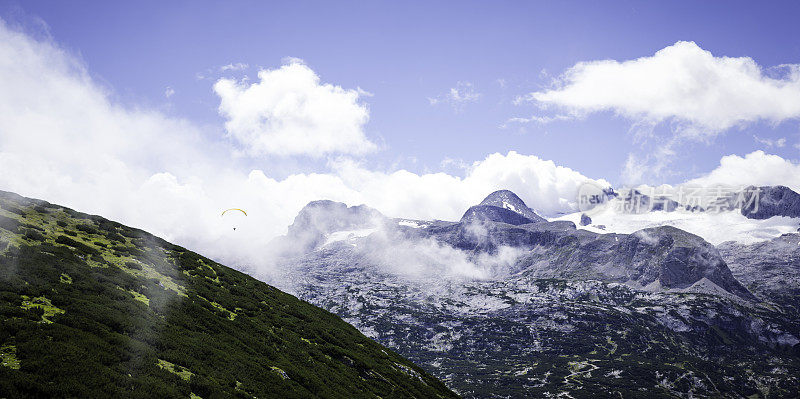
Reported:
(681, 83)
(63, 138)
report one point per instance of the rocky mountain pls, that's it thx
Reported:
(769, 269)
(500, 304)
(92, 308)
(768, 201)
(637, 202)
(753, 202)
(502, 206)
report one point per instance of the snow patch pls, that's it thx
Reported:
(715, 228)
(347, 235)
(412, 223)
(509, 206)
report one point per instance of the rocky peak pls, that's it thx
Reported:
(326, 216)
(772, 201)
(320, 218)
(675, 259)
(502, 206)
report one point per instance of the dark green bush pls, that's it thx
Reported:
(9, 223)
(77, 245)
(133, 265)
(34, 235)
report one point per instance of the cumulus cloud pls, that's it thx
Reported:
(682, 83)
(756, 168)
(290, 112)
(543, 185)
(457, 97)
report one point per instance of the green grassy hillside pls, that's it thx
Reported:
(92, 308)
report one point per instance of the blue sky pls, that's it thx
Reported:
(160, 114)
(405, 53)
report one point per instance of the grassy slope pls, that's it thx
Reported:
(92, 308)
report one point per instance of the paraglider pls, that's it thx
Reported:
(233, 210)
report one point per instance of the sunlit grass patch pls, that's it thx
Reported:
(43, 303)
(138, 296)
(8, 356)
(173, 368)
(231, 315)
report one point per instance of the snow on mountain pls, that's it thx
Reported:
(714, 227)
(503, 304)
(508, 200)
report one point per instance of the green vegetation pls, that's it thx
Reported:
(8, 355)
(92, 308)
(177, 370)
(47, 308)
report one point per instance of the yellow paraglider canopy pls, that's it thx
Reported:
(234, 209)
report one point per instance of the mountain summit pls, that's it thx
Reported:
(502, 206)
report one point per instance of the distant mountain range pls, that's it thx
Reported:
(90, 308)
(504, 303)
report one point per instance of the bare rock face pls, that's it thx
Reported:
(585, 220)
(660, 258)
(327, 216)
(319, 218)
(488, 213)
(770, 269)
(772, 201)
(674, 258)
(553, 301)
(502, 206)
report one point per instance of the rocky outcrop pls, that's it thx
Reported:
(768, 201)
(488, 213)
(770, 269)
(319, 218)
(508, 200)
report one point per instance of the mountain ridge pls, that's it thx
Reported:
(665, 255)
(93, 308)
(547, 309)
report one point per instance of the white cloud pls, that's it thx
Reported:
(169, 92)
(756, 168)
(233, 67)
(457, 97)
(770, 142)
(542, 184)
(537, 119)
(63, 140)
(681, 83)
(289, 112)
